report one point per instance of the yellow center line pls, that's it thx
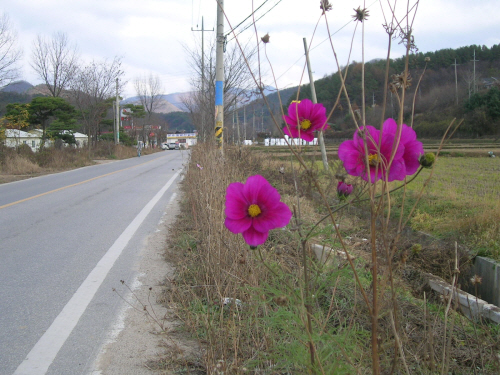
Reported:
(68, 186)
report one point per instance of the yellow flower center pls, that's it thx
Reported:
(254, 210)
(305, 124)
(373, 160)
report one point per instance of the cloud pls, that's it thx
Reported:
(150, 34)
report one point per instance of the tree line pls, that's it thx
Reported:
(437, 92)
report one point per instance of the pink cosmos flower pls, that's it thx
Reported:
(304, 118)
(343, 190)
(254, 208)
(353, 155)
(408, 138)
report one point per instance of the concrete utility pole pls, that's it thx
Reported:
(219, 76)
(262, 119)
(238, 127)
(253, 125)
(233, 126)
(245, 122)
(202, 69)
(474, 87)
(117, 122)
(456, 82)
(315, 100)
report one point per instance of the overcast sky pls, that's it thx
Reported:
(149, 35)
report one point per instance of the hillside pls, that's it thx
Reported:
(437, 101)
(18, 87)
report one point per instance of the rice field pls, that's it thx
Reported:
(460, 202)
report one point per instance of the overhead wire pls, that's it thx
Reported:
(250, 15)
(320, 43)
(252, 23)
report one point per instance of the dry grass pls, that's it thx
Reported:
(265, 334)
(22, 163)
(18, 165)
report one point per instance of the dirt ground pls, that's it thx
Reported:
(137, 344)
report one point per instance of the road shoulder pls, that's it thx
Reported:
(143, 342)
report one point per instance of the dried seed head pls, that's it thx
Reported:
(265, 38)
(361, 14)
(427, 59)
(476, 279)
(325, 5)
(399, 81)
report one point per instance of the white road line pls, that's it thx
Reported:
(45, 350)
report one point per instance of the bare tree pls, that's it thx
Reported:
(149, 90)
(238, 85)
(9, 53)
(55, 62)
(92, 90)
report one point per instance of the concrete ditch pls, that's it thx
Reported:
(471, 306)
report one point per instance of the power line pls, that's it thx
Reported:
(251, 24)
(250, 15)
(300, 58)
(320, 43)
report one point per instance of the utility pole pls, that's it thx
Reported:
(253, 125)
(202, 70)
(117, 121)
(315, 101)
(474, 88)
(219, 77)
(262, 119)
(238, 127)
(245, 123)
(233, 126)
(456, 82)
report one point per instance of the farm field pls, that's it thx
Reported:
(461, 201)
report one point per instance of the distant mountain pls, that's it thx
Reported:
(175, 102)
(19, 87)
(177, 99)
(164, 106)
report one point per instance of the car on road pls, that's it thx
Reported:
(173, 146)
(170, 146)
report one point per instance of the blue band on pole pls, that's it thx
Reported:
(219, 89)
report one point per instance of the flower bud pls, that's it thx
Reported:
(427, 159)
(343, 190)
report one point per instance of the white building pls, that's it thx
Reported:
(188, 139)
(33, 138)
(292, 141)
(16, 138)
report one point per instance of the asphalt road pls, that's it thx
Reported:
(66, 240)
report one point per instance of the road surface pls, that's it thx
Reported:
(66, 240)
